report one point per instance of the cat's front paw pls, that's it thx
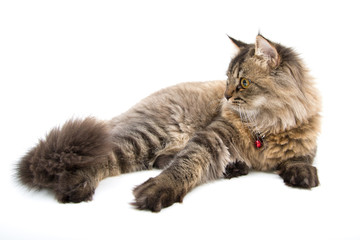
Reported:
(300, 175)
(155, 194)
(236, 169)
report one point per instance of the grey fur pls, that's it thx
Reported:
(193, 132)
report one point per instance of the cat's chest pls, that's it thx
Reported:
(260, 152)
(252, 147)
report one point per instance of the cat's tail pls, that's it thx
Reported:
(77, 144)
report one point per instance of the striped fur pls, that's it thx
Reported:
(192, 132)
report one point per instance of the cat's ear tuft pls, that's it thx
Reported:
(238, 44)
(266, 50)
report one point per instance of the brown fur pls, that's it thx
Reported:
(69, 159)
(236, 169)
(193, 133)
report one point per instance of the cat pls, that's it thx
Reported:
(264, 117)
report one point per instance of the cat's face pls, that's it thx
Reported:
(245, 84)
(269, 80)
(250, 84)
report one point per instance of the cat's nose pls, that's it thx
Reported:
(227, 96)
(228, 93)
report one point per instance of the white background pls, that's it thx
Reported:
(63, 59)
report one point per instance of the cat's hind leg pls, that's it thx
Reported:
(165, 156)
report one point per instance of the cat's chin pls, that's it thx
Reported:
(246, 114)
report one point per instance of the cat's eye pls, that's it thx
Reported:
(244, 82)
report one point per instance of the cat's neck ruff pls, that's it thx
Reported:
(262, 123)
(244, 122)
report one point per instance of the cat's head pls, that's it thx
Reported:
(269, 86)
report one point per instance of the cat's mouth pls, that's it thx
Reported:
(238, 100)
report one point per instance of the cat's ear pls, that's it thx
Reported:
(266, 50)
(238, 44)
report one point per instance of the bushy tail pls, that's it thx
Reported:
(76, 144)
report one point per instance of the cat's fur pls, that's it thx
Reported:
(193, 133)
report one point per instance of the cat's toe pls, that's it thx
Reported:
(236, 169)
(300, 175)
(154, 195)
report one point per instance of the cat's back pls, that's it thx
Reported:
(191, 94)
(192, 103)
(191, 91)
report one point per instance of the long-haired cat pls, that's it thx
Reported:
(264, 117)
